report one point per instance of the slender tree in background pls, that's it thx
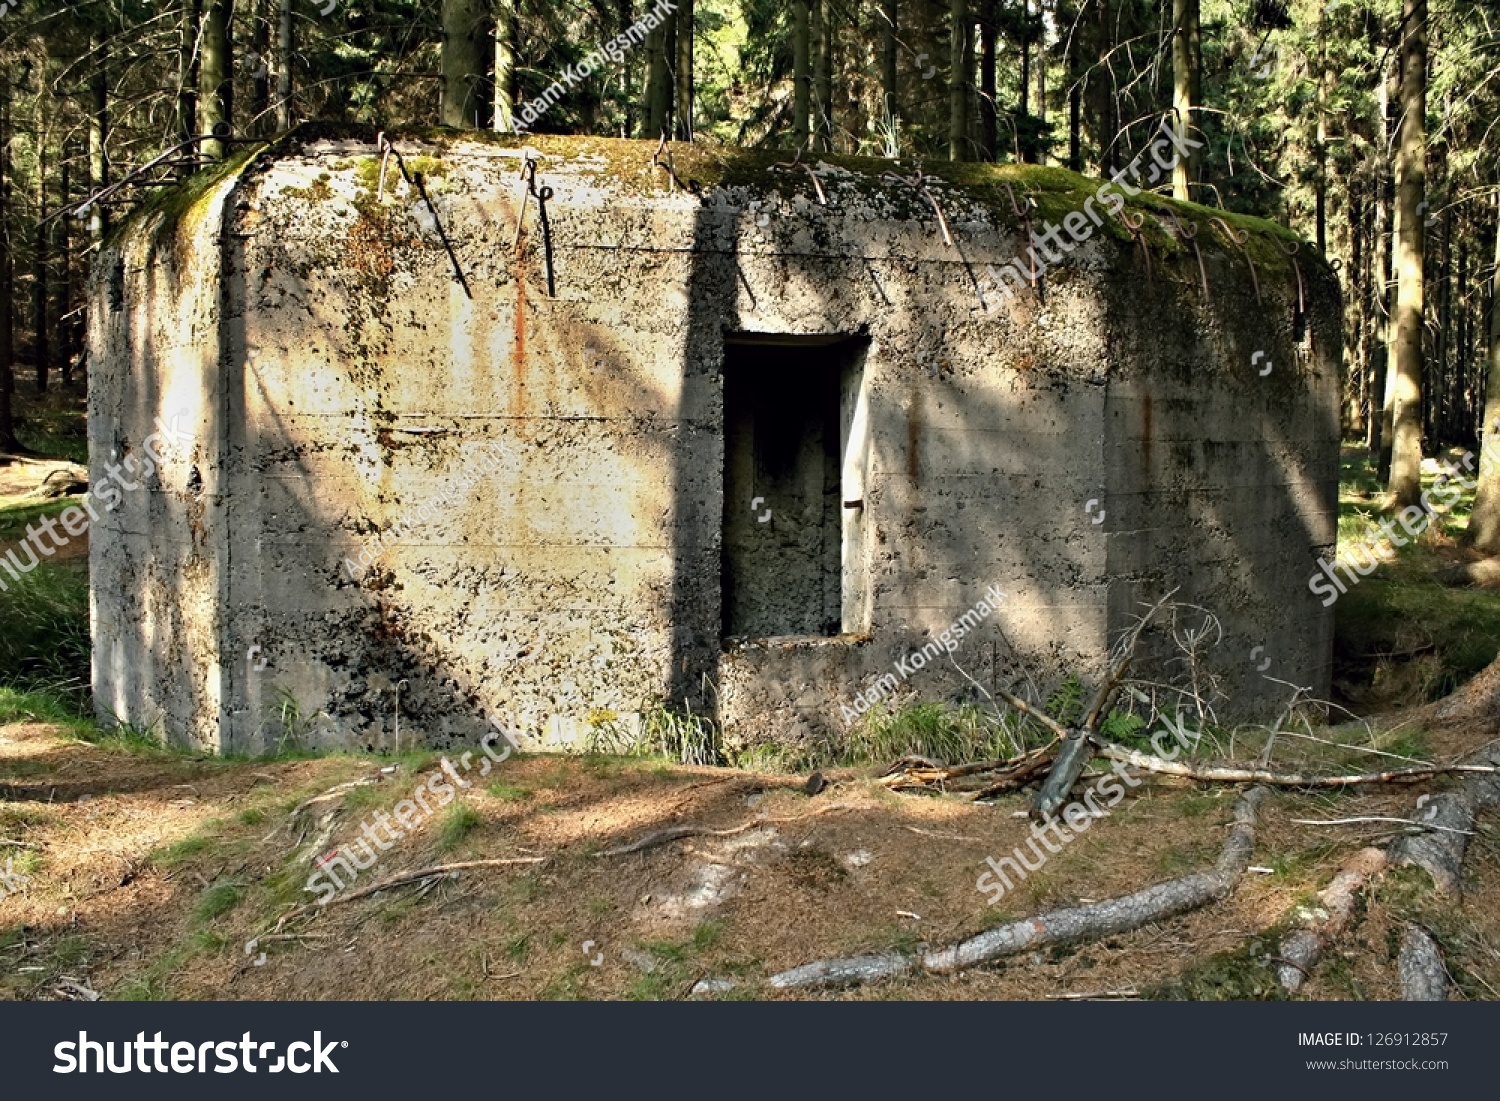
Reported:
(1185, 91)
(822, 47)
(1405, 484)
(801, 73)
(8, 441)
(988, 120)
(683, 114)
(98, 137)
(658, 106)
(504, 112)
(959, 54)
(282, 64)
(1483, 532)
(216, 74)
(462, 63)
(41, 326)
(889, 29)
(188, 24)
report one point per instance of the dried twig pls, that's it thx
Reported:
(1376, 818)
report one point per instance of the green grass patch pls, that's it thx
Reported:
(218, 900)
(457, 823)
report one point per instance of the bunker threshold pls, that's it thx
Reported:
(794, 456)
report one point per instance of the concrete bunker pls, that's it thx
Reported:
(704, 435)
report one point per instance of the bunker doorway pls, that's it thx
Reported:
(796, 427)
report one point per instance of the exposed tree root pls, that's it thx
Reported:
(676, 833)
(402, 878)
(1420, 966)
(1076, 923)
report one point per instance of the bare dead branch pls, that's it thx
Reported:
(676, 833)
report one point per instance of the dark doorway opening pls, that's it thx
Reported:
(793, 452)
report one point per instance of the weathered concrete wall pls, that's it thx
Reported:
(354, 382)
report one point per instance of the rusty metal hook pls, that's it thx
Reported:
(918, 183)
(1136, 223)
(1189, 232)
(1240, 238)
(796, 162)
(416, 181)
(1292, 252)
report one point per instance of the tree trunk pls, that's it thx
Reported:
(461, 63)
(1483, 532)
(503, 117)
(659, 81)
(801, 74)
(823, 73)
(989, 135)
(958, 78)
(285, 53)
(42, 345)
(67, 330)
(1379, 314)
(1390, 92)
(215, 74)
(1405, 483)
(8, 441)
(1185, 95)
(260, 76)
(98, 139)
(888, 31)
(685, 29)
(187, 82)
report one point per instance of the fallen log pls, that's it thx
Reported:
(1302, 949)
(1230, 774)
(1423, 976)
(1070, 925)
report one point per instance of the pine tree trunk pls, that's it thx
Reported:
(989, 131)
(823, 67)
(958, 78)
(801, 73)
(659, 81)
(98, 139)
(215, 74)
(41, 327)
(1483, 532)
(1379, 275)
(260, 77)
(66, 331)
(187, 83)
(888, 56)
(461, 64)
(8, 441)
(684, 75)
(503, 116)
(1405, 483)
(285, 53)
(1184, 90)
(1390, 92)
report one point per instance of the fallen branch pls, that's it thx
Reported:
(676, 833)
(1302, 949)
(1229, 774)
(1424, 978)
(1375, 818)
(1077, 923)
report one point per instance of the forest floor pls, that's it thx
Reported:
(133, 871)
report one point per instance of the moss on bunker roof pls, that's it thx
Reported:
(1052, 192)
